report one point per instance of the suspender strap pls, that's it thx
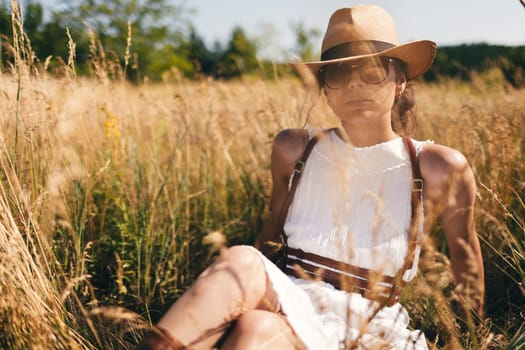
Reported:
(416, 198)
(296, 175)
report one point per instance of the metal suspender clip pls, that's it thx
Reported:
(417, 185)
(299, 166)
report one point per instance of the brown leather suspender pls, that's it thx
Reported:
(416, 198)
(296, 175)
(345, 276)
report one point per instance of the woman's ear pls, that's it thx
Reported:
(401, 84)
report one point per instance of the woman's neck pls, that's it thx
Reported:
(365, 136)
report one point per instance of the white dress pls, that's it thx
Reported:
(352, 205)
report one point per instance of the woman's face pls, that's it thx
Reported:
(362, 91)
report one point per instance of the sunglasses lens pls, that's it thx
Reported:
(371, 71)
(337, 76)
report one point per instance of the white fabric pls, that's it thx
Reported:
(353, 205)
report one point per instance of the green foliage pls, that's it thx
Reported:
(152, 38)
(459, 62)
(137, 31)
(148, 38)
(239, 57)
(204, 60)
(137, 228)
(305, 50)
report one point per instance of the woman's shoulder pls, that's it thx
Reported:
(288, 145)
(442, 166)
(436, 156)
(291, 135)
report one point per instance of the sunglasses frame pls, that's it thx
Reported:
(383, 59)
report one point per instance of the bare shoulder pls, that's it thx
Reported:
(442, 166)
(440, 158)
(288, 146)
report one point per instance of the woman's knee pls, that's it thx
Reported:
(240, 267)
(243, 257)
(244, 261)
(258, 322)
(238, 258)
(258, 327)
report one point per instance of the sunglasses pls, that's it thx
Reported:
(371, 71)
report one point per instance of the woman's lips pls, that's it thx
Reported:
(359, 102)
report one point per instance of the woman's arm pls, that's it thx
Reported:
(287, 148)
(450, 190)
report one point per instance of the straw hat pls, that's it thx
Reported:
(365, 31)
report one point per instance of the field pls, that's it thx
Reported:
(114, 197)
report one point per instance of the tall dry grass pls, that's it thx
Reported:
(124, 182)
(109, 190)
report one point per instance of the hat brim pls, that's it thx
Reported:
(418, 56)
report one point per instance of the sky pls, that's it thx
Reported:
(447, 22)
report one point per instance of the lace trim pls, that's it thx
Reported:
(359, 172)
(388, 147)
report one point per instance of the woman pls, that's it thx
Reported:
(355, 223)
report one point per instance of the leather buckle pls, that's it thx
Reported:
(417, 185)
(299, 167)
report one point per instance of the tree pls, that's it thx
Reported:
(31, 19)
(5, 31)
(151, 25)
(240, 56)
(202, 58)
(304, 38)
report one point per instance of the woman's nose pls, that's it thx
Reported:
(355, 78)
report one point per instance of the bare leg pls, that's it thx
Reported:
(235, 283)
(257, 329)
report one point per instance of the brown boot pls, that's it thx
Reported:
(159, 339)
